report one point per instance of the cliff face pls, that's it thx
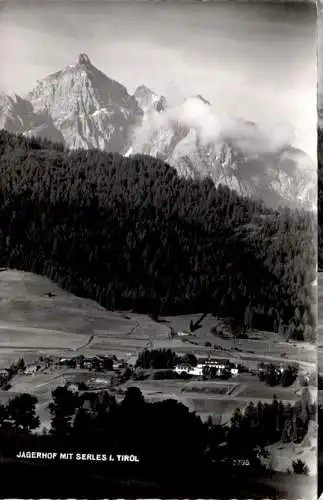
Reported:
(87, 108)
(284, 175)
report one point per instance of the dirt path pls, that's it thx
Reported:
(137, 326)
(50, 380)
(86, 344)
(266, 357)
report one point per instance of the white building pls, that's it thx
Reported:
(73, 387)
(196, 371)
(62, 361)
(31, 369)
(183, 334)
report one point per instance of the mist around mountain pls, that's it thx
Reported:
(83, 108)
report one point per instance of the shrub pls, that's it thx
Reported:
(300, 467)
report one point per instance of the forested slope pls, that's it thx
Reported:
(131, 234)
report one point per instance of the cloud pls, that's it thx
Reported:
(215, 127)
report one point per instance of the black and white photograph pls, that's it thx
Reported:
(158, 249)
(320, 248)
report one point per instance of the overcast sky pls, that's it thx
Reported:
(250, 60)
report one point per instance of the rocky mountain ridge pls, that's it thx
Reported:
(83, 108)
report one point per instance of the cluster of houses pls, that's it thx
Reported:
(218, 367)
(6, 374)
(97, 363)
(277, 374)
(264, 367)
(28, 370)
(72, 386)
(31, 369)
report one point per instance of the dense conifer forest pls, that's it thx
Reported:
(131, 234)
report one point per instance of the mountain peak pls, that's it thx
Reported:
(144, 88)
(11, 98)
(83, 58)
(86, 107)
(143, 91)
(148, 99)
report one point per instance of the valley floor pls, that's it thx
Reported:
(40, 319)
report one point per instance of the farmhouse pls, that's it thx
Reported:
(118, 364)
(90, 363)
(217, 366)
(183, 334)
(195, 371)
(214, 361)
(72, 386)
(264, 367)
(64, 361)
(182, 368)
(30, 370)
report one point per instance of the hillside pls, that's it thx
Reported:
(38, 317)
(133, 235)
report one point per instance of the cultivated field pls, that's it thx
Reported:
(260, 346)
(219, 399)
(36, 314)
